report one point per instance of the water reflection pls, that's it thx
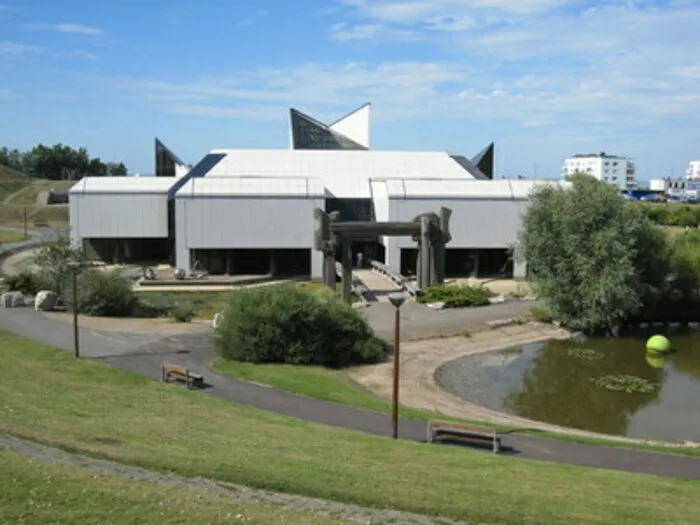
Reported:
(553, 382)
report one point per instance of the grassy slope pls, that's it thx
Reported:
(29, 194)
(50, 397)
(336, 387)
(14, 215)
(11, 236)
(37, 492)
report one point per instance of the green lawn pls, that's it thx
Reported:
(11, 236)
(38, 492)
(13, 215)
(335, 386)
(50, 397)
(29, 194)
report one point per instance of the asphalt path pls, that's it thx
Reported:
(144, 354)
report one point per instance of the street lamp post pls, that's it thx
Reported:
(75, 267)
(397, 299)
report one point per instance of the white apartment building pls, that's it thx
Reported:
(618, 171)
(693, 171)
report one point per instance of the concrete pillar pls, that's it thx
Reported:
(347, 269)
(392, 253)
(519, 270)
(424, 258)
(182, 252)
(329, 273)
(316, 265)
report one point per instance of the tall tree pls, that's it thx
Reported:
(593, 256)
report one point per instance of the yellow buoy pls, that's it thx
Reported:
(656, 360)
(658, 343)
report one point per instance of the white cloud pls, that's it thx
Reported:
(16, 49)
(19, 50)
(67, 28)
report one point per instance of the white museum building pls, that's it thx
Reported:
(242, 211)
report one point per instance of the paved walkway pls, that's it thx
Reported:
(144, 353)
(380, 286)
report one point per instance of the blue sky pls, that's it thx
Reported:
(542, 78)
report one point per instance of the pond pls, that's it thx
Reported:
(577, 384)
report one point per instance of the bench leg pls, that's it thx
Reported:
(429, 433)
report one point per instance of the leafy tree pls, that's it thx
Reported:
(593, 256)
(685, 264)
(53, 261)
(58, 162)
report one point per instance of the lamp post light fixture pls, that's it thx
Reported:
(75, 267)
(397, 299)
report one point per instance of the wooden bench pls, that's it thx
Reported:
(41, 224)
(180, 373)
(465, 433)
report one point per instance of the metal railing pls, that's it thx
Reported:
(396, 278)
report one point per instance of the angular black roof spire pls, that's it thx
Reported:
(484, 161)
(309, 133)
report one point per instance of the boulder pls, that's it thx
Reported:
(12, 300)
(45, 301)
(218, 317)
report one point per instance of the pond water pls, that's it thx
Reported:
(559, 382)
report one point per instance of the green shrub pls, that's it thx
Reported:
(28, 283)
(105, 294)
(456, 296)
(183, 314)
(285, 324)
(542, 315)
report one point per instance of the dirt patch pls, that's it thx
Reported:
(212, 487)
(136, 326)
(420, 361)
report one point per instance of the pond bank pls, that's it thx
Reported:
(420, 361)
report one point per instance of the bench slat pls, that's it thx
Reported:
(462, 432)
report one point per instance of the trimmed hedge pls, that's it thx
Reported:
(285, 324)
(456, 296)
(27, 282)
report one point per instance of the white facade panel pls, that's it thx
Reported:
(118, 216)
(475, 223)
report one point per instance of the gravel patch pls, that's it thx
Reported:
(364, 515)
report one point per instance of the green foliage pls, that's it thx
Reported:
(587, 354)
(54, 261)
(28, 283)
(671, 214)
(284, 324)
(58, 162)
(541, 315)
(626, 383)
(593, 256)
(104, 294)
(685, 264)
(456, 296)
(183, 314)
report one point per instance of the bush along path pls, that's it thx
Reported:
(345, 512)
(144, 354)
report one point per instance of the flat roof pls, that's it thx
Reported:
(118, 185)
(465, 189)
(233, 187)
(345, 173)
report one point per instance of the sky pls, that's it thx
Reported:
(543, 79)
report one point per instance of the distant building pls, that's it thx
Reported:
(667, 184)
(618, 171)
(693, 171)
